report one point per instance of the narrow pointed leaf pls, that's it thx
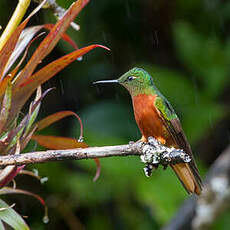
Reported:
(56, 117)
(21, 95)
(65, 36)
(33, 115)
(98, 171)
(11, 217)
(21, 130)
(9, 190)
(24, 39)
(5, 108)
(8, 174)
(55, 142)
(18, 51)
(8, 48)
(51, 40)
(3, 85)
(1, 225)
(47, 121)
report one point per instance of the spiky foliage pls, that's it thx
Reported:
(19, 83)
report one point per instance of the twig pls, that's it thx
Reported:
(153, 153)
(58, 11)
(199, 213)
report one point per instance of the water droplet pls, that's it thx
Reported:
(35, 171)
(80, 139)
(45, 219)
(80, 58)
(43, 180)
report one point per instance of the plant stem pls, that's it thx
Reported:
(16, 18)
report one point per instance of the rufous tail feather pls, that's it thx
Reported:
(187, 178)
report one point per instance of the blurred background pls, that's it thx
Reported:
(185, 46)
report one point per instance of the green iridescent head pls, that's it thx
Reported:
(136, 81)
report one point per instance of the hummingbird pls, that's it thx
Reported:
(156, 117)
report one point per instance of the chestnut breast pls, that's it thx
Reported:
(148, 118)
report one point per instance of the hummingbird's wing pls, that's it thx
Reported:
(173, 125)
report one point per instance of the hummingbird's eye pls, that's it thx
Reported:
(130, 78)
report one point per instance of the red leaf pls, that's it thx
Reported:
(54, 142)
(65, 37)
(4, 83)
(51, 40)
(56, 117)
(8, 48)
(98, 171)
(8, 174)
(21, 95)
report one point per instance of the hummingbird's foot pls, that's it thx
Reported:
(155, 154)
(131, 142)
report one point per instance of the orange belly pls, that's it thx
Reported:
(148, 119)
(151, 124)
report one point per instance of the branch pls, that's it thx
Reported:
(153, 154)
(68, 154)
(199, 213)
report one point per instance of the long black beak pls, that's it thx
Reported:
(106, 81)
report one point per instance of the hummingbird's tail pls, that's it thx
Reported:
(188, 178)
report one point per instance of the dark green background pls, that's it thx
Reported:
(185, 46)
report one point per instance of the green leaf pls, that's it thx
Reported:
(6, 104)
(11, 217)
(2, 226)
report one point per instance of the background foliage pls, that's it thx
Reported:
(185, 46)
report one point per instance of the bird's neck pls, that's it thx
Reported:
(143, 91)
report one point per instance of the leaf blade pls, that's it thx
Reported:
(44, 74)
(12, 218)
(57, 142)
(51, 40)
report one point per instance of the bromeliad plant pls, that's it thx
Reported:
(17, 85)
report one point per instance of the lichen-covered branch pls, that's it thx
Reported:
(199, 213)
(153, 153)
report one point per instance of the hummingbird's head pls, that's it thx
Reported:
(136, 81)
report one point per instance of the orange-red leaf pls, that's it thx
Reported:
(51, 40)
(54, 142)
(9, 46)
(21, 95)
(65, 36)
(53, 118)
(3, 84)
(9, 173)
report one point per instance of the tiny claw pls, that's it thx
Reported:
(131, 142)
